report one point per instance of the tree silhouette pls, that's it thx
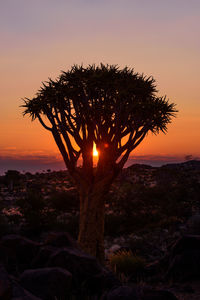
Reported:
(113, 108)
(12, 178)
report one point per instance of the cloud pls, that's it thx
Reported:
(31, 163)
(10, 148)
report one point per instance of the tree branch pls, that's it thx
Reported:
(125, 157)
(43, 124)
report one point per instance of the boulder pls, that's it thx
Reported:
(41, 259)
(17, 251)
(60, 239)
(193, 224)
(5, 285)
(112, 249)
(122, 293)
(84, 268)
(151, 294)
(47, 283)
(19, 293)
(186, 243)
(74, 260)
(102, 281)
(184, 266)
(184, 259)
(132, 293)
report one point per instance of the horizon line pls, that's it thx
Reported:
(36, 163)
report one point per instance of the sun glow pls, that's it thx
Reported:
(95, 152)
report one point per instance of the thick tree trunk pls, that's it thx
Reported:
(91, 226)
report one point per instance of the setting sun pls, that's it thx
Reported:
(95, 152)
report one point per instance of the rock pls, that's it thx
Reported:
(193, 224)
(84, 268)
(186, 243)
(47, 283)
(153, 269)
(19, 293)
(112, 249)
(102, 281)
(17, 251)
(131, 293)
(60, 239)
(122, 293)
(184, 259)
(185, 266)
(187, 289)
(150, 294)
(5, 285)
(41, 259)
(119, 240)
(75, 261)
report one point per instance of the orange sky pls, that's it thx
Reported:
(41, 38)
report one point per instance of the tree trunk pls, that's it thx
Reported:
(91, 225)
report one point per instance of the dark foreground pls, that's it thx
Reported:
(152, 237)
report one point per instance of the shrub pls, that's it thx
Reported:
(126, 262)
(5, 227)
(68, 224)
(36, 215)
(64, 200)
(114, 224)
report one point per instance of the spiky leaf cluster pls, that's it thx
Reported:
(115, 108)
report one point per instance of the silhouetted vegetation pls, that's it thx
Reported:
(127, 263)
(67, 201)
(129, 207)
(104, 106)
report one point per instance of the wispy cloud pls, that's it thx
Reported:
(32, 163)
(11, 148)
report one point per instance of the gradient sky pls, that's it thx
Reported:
(156, 37)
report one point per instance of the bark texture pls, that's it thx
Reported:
(91, 224)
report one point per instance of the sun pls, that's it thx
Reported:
(95, 152)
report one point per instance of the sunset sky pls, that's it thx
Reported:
(42, 37)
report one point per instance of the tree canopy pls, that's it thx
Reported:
(100, 104)
(111, 107)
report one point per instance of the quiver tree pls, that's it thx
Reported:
(113, 108)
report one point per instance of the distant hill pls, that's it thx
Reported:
(194, 164)
(188, 164)
(166, 174)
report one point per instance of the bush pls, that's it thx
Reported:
(64, 200)
(126, 262)
(68, 224)
(114, 224)
(5, 227)
(36, 214)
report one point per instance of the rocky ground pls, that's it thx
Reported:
(152, 212)
(57, 269)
